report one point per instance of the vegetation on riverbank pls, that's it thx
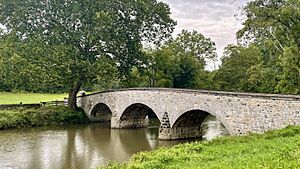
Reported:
(275, 149)
(43, 116)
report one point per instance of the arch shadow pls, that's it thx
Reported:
(137, 115)
(101, 113)
(190, 124)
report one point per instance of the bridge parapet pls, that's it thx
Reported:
(210, 92)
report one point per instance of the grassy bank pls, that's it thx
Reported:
(275, 149)
(43, 116)
(26, 98)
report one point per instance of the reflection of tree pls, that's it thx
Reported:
(212, 128)
(35, 160)
(70, 152)
(86, 145)
(112, 144)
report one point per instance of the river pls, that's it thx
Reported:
(82, 146)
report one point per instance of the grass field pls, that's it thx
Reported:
(25, 98)
(273, 150)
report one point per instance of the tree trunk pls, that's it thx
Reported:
(72, 96)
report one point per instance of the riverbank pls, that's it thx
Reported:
(20, 118)
(274, 149)
(28, 98)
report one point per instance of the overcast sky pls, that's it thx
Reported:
(213, 18)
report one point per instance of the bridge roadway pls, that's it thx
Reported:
(181, 111)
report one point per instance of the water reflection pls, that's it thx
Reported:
(212, 128)
(83, 146)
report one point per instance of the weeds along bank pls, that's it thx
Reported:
(274, 149)
(19, 118)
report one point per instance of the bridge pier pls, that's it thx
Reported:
(114, 122)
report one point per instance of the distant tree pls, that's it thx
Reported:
(261, 79)
(232, 74)
(180, 62)
(89, 30)
(274, 26)
(195, 44)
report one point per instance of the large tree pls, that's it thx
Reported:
(89, 30)
(274, 27)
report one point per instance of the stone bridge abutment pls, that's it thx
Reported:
(181, 112)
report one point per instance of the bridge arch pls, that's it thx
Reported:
(189, 124)
(190, 118)
(101, 113)
(135, 116)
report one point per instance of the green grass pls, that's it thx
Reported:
(44, 116)
(25, 98)
(275, 149)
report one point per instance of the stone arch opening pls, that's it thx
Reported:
(190, 124)
(137, 115)
(101, 113)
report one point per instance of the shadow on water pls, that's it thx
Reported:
(80, 146)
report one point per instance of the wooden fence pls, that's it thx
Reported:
(37, 105)
(54, 103)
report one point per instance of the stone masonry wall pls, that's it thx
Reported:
(240, 113)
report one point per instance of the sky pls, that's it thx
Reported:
(213, 18)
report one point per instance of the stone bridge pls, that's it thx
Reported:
(181, 111)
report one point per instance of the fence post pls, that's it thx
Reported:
(66, 101)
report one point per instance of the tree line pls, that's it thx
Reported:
(63, 46)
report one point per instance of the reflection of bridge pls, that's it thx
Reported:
(181, 112)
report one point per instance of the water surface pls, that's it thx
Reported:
(81, 146)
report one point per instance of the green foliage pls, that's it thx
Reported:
(132, 23)
(262, 78)
(273, 26)
(274, 149)
(40, 117)
(290, 79)
(106, 76)
(237, 60)
(180, 62)
(195, 44)
(32, 66)
(268, 61)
